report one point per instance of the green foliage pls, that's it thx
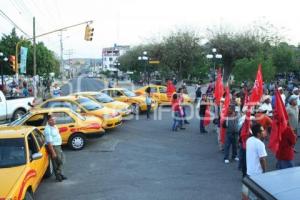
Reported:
(284, 57)
(45, 58)
(246, 68)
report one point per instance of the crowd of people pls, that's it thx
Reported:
(250, 153)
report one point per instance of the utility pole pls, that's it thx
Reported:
(34, 62)
(61, 55)
(34, 49)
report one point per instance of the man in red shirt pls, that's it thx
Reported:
(285, 153)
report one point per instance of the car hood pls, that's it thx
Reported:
(103, 111)
(140, 99)
(117, 105)
(9, 177)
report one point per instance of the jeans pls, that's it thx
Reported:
(148, 111)
(242, 161)
(202, 128)
(231, 140)
(283, 164)
(176, 121)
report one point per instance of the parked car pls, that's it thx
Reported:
(24, 161)
(12, 108)
(73, 127)
(138, 103)
(275, 185)
(159, 93)
(111, 118)
(107, 101)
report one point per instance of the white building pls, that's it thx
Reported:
(110, 56)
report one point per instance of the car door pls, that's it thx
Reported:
(3, 109)
(40, 139)
(119, 96)
(34, 165)
(38, 120)
(66, 125)
(163, 94)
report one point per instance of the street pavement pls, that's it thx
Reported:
(82, 84)
(143, 159)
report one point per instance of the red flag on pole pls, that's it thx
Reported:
(219, 89)
(279, 123)
(257, 90)
(170, 89)
(224, 113)
(245, 132)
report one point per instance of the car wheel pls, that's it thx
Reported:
(29, 196)
(49, 170)
(77, 141)
(18, 114)
(135, 108)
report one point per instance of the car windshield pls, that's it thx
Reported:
(21, 120)
(78, 115)
(88, 104)
(12, 152)
(129, 93)
(103, 98)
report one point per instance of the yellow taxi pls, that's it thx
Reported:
(159, 93)
(123, 108)
(138, 103)
(111, 118)
(73, 127)
(23, 162)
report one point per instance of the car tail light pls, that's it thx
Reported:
(94, 126)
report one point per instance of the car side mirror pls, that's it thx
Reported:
(36, 156)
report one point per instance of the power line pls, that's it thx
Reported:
(13, 23)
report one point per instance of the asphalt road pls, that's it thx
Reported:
(143, 160)
(82, 84)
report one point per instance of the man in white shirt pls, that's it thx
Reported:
(53, 142)
(280, 89)
(256, 152)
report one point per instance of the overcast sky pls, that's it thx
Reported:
(131, 22)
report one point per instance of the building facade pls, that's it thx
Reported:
(110, 56)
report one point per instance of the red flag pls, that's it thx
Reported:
(245, 132)
(257, 90)
(224, 113)
(206, 121)
(170, 89)
(219, 89)
(279, 123)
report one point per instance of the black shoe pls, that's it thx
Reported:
(63, 177)
(59, 178)
(186, 122)
(182, 128)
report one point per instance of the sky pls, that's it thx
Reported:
(133, 22)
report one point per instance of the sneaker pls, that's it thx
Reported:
(226, 161)
(63, 177)
(236, 159)
(182, 128)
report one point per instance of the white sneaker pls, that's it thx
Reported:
(226, 161)
(236, 159)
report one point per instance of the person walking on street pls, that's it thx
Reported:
(198, 95)
(181, 102)
(148, 102)
(53, 142)
(293, 112)
(56, 91)
(231, 125)
(175, 112)
(256, 151)
(202, 110)
(285, 153)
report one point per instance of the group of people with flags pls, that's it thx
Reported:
(249, 119)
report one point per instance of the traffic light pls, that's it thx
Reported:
(88, 36)
(12, 62)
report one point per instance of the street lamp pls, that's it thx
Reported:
(145, 58)
(214, 56)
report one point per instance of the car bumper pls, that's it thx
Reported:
(112, 122)
(143, 107)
